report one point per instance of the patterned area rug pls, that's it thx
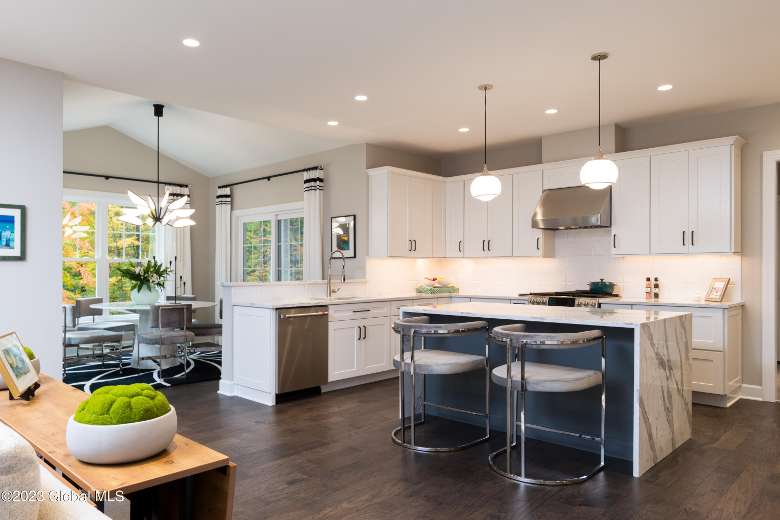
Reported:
(205, 365)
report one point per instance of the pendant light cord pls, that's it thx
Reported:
(485, 132)
(158, 160)
(599, 88)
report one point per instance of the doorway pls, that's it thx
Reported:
(770, 372)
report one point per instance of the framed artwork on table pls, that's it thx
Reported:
(342, 236)
(15, 367)
(12, 232)
(717, 289)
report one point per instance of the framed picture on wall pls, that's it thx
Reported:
(342, 235)
(12, 231)
(717, 289)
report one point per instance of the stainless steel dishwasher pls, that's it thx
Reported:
(302, 340)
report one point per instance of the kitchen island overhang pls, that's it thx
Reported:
(648, 374)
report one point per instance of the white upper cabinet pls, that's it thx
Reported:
(453, 217)
(631, 207)
(401, 213)
(669, 203)
(711, 199)
(526, 190)
(488, 225)
(695, 200)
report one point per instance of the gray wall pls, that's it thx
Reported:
(31, 174)
(377, 156)
(105, 150)
(581, 143)
(520, 153)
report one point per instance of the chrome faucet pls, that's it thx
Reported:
(331, 290)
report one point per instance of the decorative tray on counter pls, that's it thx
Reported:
(428, 289)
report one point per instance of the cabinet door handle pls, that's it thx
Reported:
(537, 243)
(614, 238)
(359, 331)
(415, 245)
(410, 246)
(460, 246)
(693, 242)
(683, 237)
(365, 332)
(483, 245)
(488, 245)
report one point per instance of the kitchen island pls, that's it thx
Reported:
(648, 374)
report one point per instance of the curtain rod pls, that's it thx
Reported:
(120, 178)
(269, 177)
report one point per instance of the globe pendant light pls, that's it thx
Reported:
(599, 173)
(163, 211)
(485, 187)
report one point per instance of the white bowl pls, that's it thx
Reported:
(36, 363)
(118, 443)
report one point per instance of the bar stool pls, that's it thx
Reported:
(542, 377)
(436, 362)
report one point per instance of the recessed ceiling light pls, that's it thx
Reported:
(665, 87)
(551, 111)
(464, 129)
(190, 42)
(333, 123)
(361, 97)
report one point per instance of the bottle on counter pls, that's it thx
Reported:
(656, 288)
(648, 289)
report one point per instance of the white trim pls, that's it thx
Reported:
(769, 275)
(276, 208)
(753, 392)
(359, 380)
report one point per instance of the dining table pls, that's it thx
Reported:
(144, 313)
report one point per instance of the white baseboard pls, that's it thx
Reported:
(360, 380)
(226, 387)
(754, 392)
(721, 401)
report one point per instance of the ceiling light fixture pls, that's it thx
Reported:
(165, 211)
(665, 87)
(190, 42)
(485, 187)
(333, 123)
(464, 129)
(599, 173)
(551, 111)
(361, 97)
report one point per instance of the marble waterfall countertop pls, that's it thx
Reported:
(568, 315)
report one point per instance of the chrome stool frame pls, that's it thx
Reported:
(423, 328)
(520, 342)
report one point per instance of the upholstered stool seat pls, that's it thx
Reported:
(440, 362)
(541, 377)
(419, 360)
(205, 329)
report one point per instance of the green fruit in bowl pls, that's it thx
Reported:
(122, 404)
(29, 352)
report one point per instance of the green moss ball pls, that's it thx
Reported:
(122, 404)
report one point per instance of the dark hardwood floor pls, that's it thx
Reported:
(330, 456)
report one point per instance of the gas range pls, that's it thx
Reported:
(568, 298)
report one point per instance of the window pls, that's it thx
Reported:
(95, 244)
(269, 244)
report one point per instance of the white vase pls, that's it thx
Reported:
(145, 296)
(36, 363)
(119, 443)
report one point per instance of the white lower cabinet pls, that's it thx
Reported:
(716, 356)
(255, 363)
(357, 348)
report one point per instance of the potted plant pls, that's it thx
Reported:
(122, 423)
(36, 363)
(147, 279)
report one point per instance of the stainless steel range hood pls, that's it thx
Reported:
(577, 207)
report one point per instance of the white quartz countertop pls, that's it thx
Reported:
(285, 303)
(678, 302)
(569, 315)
